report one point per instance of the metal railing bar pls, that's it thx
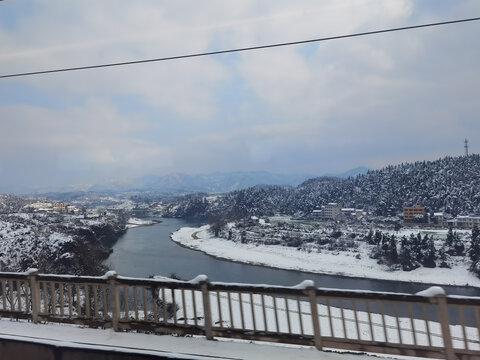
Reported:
(384, 322)
(264, 312)
(12, 301)
(79, 309)
(219, 307)
(300, 320)
(164, 305)
(395, 307)
(477, 321)
(154, 304)
(461, 317)
(194, 301)
(95, 301)
(70, 301)
(330, 320)
(145, 303)
(174, 306)
(412, 324)
(230, 310)
(19, 295)
(104, 302)
(354, 305)
(240, 301)
(4, 295)
(62, 300)
(427, 325)
(252, 307)
(276, 314)
(135, 302)
(287, 313)
(184, 307)
(125, 302)
(340, 303)
(87, 300)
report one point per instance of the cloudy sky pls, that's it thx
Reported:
(318, 108)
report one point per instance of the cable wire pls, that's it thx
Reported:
(259, 47)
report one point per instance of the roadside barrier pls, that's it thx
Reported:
(427, 324)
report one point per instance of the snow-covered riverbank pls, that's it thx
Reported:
(136, 222)
(326, 262)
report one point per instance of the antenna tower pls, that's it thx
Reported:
(466, 147)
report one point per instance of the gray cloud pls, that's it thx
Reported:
(319, 108)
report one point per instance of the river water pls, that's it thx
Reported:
(148, 250)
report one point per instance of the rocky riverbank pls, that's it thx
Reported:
(58, 242)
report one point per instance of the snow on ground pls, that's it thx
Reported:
(326, 262)
(77, 336)
(81, 337)
(435, 232)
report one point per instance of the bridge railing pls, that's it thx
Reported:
(427, 324)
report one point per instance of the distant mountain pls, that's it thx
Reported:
(451, 184)
(216, 182)
(350, 173)
(178, 183)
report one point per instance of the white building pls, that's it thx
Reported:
(468, 221)
(332, 211)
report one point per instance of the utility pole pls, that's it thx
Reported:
(466, 147)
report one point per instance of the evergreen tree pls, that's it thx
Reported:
(405, 257)
(458, 245)
(385, 242)
(453, 244)
(369, 238)
(474, 251)
(392, 251)
(429, 255)
(450, 237)
(444, 258)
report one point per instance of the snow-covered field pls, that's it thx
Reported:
(326, 262)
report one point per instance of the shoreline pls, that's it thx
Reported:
(279, 257)
(136, 222)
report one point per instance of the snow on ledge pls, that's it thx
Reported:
(199, 279)
(109, 274)
(305, 284)
(432, 291)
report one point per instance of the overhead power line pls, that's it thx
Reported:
(259, 47)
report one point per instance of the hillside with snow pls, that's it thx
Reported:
(56, 243)
(450, 184)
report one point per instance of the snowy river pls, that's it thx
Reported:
(148, 250)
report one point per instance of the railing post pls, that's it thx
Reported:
(115, 301)
(207, 310)
(442, 308)
(312, 295)
(34, 293)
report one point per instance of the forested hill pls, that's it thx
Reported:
(451, 184)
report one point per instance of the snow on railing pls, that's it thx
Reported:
(428, 324)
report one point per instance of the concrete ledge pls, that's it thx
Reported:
(12, 349)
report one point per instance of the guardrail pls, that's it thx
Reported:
(428, 324)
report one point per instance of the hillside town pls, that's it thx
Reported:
(412, 215)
